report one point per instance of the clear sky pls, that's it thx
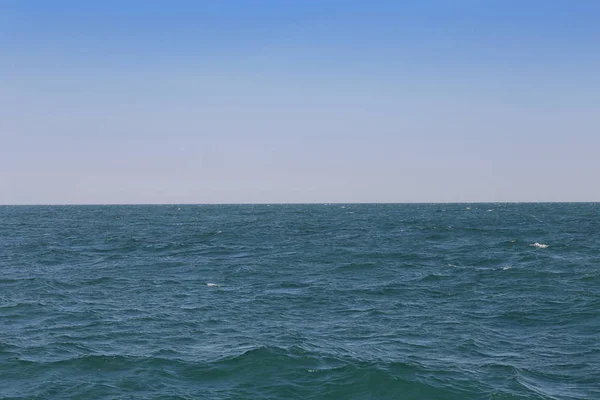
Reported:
(264, 101)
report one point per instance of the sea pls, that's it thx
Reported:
(320, 301)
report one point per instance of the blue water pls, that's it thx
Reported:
(429, 301)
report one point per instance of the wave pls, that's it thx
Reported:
(262, 372)
(539, 245)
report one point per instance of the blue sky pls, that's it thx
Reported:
(299, 101)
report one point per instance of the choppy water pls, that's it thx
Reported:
(436, 301)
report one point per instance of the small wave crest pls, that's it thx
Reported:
(539, 245)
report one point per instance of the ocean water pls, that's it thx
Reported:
(419, 301)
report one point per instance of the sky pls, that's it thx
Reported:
(270, 101)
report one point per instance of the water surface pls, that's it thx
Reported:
(422, 301)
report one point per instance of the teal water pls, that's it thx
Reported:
(429, 301)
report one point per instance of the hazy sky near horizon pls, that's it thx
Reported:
(299, 101)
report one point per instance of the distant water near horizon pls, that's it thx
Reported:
(355, 301)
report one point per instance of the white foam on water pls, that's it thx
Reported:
(507, 267)
(539, 245)
(211, 284)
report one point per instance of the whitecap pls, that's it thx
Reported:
(507, 267)
(539, 245)
(211, 284)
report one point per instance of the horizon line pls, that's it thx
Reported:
(296, 203)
